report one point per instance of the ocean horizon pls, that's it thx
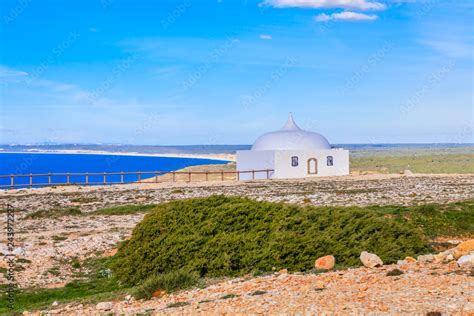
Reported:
(203, 149)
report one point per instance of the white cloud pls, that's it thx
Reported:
(56, 92)
(345, 16)
(265, 37)
(11, 75)
(451, 47)
(323, 17)
(325, 4)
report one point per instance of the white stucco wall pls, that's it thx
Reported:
(248, 160)
(283, 168)
(280, 161)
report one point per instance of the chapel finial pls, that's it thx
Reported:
(290, 123)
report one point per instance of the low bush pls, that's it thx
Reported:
(54, 213)
(169, 282)
(229, 236)
(92, 289)
(452, 219)
(123, 210)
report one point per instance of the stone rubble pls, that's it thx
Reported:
(420, 289)
(463, 248)
(466, 261)
(370, 260)
(325, 263)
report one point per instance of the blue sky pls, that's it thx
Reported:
(223, 72)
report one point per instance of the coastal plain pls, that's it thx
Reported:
(61, 228)
(64, 233)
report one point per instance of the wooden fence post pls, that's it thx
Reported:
(253, 174)
(68, 178)
(121, 177)
(189, 176)
(156, 178)
(12, 181)
(49, 178)
(87, 178)
(31, 180)
(222, 175)
(238, 175)
(105, 178)
(268, 174)
(207, 176)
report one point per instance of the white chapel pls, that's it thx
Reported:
(292, 152)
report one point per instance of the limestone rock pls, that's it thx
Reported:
(19, 251)
(158, 293)
(410, 259)
(111, 252)
(104, 306)
(370, 260)
(407, 172)
(466, 261)
(443, 256)
(325, 263)
(55, 303)
(438, 258)
(425, 258)
(320, 284)
(463, 248)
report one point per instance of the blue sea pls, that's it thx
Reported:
(39, 163)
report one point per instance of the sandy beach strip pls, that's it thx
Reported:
(216, 156)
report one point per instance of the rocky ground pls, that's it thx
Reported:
(375, 189)
(416, 288)
(48, 247)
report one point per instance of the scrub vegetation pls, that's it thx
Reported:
(168, 282)
(56, 213)
(123, 210)
(451, 163)
(96, 286)
(180, 242)
(230, 236)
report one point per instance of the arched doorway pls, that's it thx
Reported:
(312, 166)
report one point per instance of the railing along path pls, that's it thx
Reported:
(151, 177)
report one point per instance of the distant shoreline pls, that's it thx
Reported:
(221, 157)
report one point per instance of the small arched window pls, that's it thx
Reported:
(294, 161)
(330, 161)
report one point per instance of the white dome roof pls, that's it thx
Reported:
(291, 137)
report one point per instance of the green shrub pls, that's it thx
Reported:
(394, 272)
(453, 219)
(258, 292)
(227, 296)
(229, 236)
(168, 282)
(123, 210)
(93, 287)
(54, 213)
(177, 304)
